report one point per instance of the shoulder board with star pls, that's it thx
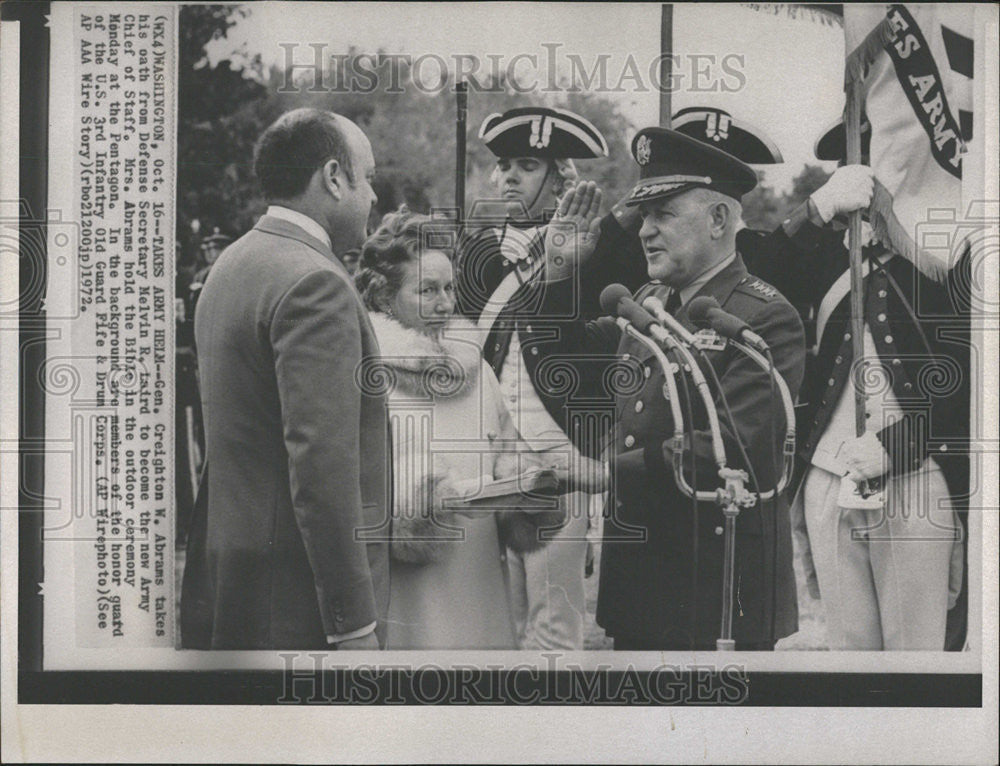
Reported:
(758, 288)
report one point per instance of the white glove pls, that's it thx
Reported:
(865, 457)
(849, 188)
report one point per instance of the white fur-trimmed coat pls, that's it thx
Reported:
(449, 432)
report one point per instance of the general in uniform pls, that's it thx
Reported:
(662, 553)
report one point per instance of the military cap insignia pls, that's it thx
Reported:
(541, 132)
(717, 126)
(670, 162)
(643, 150)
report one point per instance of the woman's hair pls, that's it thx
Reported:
(400, 239)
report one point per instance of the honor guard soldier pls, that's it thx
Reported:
(211, 248)
(500, 286)
(887, 574)
(661, 578)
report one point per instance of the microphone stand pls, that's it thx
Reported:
(733, 494)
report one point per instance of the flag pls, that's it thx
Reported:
(913, 65)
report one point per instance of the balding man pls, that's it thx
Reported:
(296, 451)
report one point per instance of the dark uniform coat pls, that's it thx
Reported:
(921, 331)
(296, 452)
(664, 587)
(569, 386)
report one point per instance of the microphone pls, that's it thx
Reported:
(616, 299)
(655, 306)
(705, 311)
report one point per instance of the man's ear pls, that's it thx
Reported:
(332, 179)
(720, 215)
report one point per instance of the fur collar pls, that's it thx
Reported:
(424, 366)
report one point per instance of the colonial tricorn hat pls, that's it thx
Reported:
(671, 162)
(542, 132)
(718, 128)
(216, 239)
(832, 145)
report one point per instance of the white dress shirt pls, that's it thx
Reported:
(304, 222)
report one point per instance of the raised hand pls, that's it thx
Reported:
(573, 232)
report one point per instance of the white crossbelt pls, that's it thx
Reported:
(515, 246)
(836, 294)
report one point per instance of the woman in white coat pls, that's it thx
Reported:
(450, 433)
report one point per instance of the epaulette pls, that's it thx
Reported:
(758, 288)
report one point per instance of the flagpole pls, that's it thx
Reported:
(868, 491)
(852, 122)
(666, 61)
(461, 114)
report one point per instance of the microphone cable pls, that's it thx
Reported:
(774, 501)
(755, 485)
(695, 542)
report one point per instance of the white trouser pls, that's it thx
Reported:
(886, 577)
(546, 586)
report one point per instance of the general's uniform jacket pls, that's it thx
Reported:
(651, 585)
(481, 267)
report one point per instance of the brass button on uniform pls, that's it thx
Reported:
(626, 357)
(881, 293)
(638, 406)
(881, 317)
(888, 339)
(718, 530)
(534, 351)
(629, 440)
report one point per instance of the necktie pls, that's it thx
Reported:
(673, 302)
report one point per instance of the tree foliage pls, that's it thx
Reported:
(223, 109)
(765, 210)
